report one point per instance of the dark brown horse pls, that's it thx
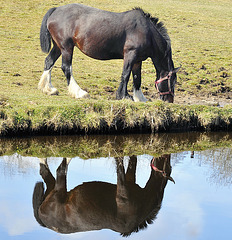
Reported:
(124, 208)
(132, 36)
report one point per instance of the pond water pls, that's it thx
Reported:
(197, 206)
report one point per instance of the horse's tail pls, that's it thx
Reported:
(37, 199)
(45, 36)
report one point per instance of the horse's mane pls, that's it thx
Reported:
(149, 220)
(159, 25)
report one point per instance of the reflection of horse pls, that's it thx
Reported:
(124, 207)
(132, 36)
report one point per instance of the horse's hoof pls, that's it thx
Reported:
(49, 91)
(119, 97)
(82, 94)
(86, 95)
(53, 91)
(138, 96)
(43, 161)
(129, 97)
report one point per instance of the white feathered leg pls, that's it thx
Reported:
(43, 161)
(74, 89)
(138, 96)
(45, 84)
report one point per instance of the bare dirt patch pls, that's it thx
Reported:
(219, 101)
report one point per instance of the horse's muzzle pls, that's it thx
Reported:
(167, 98)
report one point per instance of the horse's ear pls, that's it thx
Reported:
(176, 70)
(171, 179)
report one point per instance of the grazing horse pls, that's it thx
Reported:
(132, 36)
(124, 208)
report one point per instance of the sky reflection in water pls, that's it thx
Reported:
(198, 206)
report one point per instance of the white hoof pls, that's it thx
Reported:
(68, 160)
(43, 161)
(75, 91)
(45, 84)
(78, 94)
(53, 91)
(49, 90)
(82, 94)
(138, 96)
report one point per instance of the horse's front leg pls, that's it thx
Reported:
(122, 193)
(127, 67)
(137, 92)
(73, 88)
(125, 208)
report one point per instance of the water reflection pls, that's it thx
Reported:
(197, 207)
(124, 207)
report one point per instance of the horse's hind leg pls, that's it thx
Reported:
(46, 175)
(131, 170)
(61, 174)
(45, 83)
(137, 93)
(61, 180)
(73, 88)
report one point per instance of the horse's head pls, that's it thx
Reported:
(162, 166)
(165, 85)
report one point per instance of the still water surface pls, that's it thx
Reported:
(198, 206)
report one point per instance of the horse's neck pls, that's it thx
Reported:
(161, 51)
(155, 186)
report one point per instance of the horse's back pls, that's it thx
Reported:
(89, 20)
(77, 12)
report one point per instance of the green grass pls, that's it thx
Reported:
(201, 42)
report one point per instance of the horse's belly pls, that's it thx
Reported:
(103, 43)
(102, 54)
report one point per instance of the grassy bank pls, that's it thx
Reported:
(201, 43)
(91, 116)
